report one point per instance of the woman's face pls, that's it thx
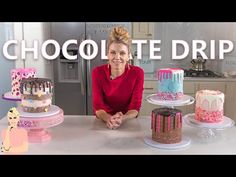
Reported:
(13, 117)
(118, 55)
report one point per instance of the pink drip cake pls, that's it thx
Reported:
(166, 125)
(170, 83)
(17, 75)
(209, 106)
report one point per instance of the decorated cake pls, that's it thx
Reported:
(36, 94)
(170, 83)
(17, 75)
(166, 125)
(209, 106)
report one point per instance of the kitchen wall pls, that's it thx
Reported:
(166, 32)
(6, 33)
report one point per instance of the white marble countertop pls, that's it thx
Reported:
(87, 135)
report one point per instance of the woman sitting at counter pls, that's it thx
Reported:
(118, 86)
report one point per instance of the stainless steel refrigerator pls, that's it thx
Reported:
(72, 78)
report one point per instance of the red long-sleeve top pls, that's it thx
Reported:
(120, 94)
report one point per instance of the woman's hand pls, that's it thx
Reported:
(115, 120)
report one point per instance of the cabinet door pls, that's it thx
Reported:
(212, 86)
(150, 87)
(143, 30)
(147, 107)
(230, 100)
(187, 109)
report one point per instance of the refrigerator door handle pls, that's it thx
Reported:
(82, 72)
(88, 48)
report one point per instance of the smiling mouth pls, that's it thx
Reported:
(117, 62)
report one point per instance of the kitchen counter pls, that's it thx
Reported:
(87, 135)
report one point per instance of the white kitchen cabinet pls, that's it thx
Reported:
(147, 107)
(230, 100)
(34, 31)
(211, 86)
(143, 30)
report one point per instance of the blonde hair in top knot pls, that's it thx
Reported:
(120, 34)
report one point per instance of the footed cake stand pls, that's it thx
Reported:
(186, 141)
(37, 123)
(10, 97)
(208, 131)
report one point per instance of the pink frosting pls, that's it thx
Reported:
(166, 72)
(156, 123)
(169, 96)
(17, 75)
(23, 71)
(208, 116)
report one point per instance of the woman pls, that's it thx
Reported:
(117, 86)
(15, 140)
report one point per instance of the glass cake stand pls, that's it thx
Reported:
(208, 131)
(37, 123)
(184, 101)
(10, 97)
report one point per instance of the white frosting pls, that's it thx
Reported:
(36, 103)
(177, 74)
(210, 100)
(38, 92)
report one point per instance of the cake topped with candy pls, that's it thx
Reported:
(209, 106)
(170, 83)
(17, 75)
(36, 94)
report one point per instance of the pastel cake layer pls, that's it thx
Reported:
(166, 125)
(36, 94)
(170, 83)
(209, 106)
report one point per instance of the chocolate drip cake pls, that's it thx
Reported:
(166, 125)
(36, 94)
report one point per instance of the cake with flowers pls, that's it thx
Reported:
(36, 94)
(17, 75)
(166, 125)
(209, 106)
(170, 83)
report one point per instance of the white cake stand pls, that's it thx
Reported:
(208, 130)
(185, 142)
(185, 100)
(10, 97)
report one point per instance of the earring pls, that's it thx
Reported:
(108, 65)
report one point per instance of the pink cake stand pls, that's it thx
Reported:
(37, 125)
(10, 97)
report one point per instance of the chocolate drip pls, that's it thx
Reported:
(31, 89)
(50, 87)
(163, 123)
(165, 114)
(35, 87)
(44, 87)
(36, 83)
